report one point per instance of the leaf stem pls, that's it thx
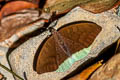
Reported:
(10, 71)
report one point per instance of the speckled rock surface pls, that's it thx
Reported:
(109, 70)
(3, 61)
(21, 59)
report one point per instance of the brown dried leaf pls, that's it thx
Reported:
(108, 71)
(17, 22)
(15, 6)
(52, 2)
(87, 72)
(61, 6)
(97, 6)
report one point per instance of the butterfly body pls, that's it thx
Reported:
(59, 39)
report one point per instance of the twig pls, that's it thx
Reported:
(11, 71)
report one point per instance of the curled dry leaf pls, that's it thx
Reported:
(97, 6)
(62, 6)
(109, 70)
(15, 6)
(14, 23)
(87, 72)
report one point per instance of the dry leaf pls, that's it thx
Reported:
(17, 22)
(61, 6)
(87, 72)
(97, 6)
(109, 70)
(15, 6)
(49, 3)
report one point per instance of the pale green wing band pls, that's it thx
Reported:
(71, 60)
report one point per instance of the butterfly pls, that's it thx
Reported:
(63, 43)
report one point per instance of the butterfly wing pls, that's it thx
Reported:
(79, 36)
(47, 58)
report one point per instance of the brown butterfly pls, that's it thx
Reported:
(63, 43)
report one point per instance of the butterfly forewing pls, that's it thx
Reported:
(79, 36)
